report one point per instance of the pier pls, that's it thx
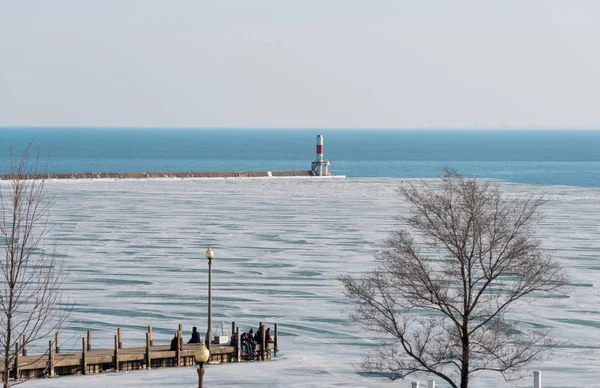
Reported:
(151, 175)
(92, 361)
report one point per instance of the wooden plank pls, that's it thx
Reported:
(67, 362)
(177, 351)
(16, 365)
(132, 357)
(275, 331)
(263, 348)
(148, 353)
(238, 349)
(116, 355)
(83, 360)
(50, 359)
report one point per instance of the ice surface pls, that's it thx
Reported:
(135, 254)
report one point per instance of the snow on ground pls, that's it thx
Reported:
(135, 254)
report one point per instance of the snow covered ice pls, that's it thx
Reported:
(134, 250)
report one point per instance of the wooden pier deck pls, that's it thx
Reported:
(89, 361)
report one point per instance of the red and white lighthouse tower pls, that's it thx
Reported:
(320, 167)
(319, 148)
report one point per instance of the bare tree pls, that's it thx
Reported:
(30, 279)
(443, 286)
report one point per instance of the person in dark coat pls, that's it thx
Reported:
(252, 337)
(257, 338)
(174, 342)
(195, 337)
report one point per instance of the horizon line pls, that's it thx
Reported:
(2, 127)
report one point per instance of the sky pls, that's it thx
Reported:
(300, 63)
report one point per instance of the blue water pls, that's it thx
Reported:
(537, 157)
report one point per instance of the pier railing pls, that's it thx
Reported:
(90, 361)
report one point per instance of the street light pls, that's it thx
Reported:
(202, 355)
(209, 256)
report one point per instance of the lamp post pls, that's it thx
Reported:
(202, 355)
(209, 256)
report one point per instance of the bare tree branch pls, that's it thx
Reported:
(443, 285)
(31, 279)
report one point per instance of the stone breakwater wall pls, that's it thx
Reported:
(146, 175)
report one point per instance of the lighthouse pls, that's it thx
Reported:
(320, 167)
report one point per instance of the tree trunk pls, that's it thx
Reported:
(464, 372)
(7, 347)
(6, 374)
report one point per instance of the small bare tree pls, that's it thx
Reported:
(442, 288)
(30, 279)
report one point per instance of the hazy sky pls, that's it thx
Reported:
(300, 63)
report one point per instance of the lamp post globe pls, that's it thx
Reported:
(209, 256)
(202, 356)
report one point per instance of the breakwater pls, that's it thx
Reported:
(149, 175)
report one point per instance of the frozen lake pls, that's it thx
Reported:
(135, 255)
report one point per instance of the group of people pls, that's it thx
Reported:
(249, 340)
